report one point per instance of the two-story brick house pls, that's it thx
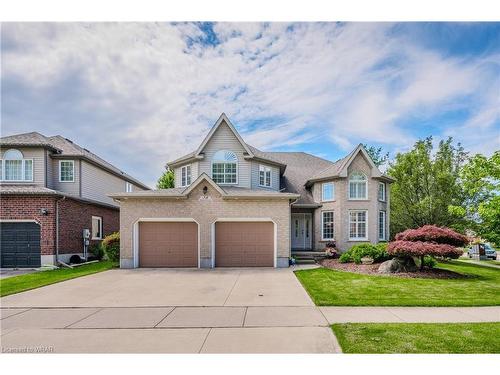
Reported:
(234, 205)
(50, 190)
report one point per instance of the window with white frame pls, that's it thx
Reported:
(327, 191)
(96, 227)
(327, 225)
(128, 187)
(357, 225)
(264, 176)
(66, 171)
(381, 191)
(225, 167)
(14, 167)
(186, 175)
(357, 186)
(382, 225)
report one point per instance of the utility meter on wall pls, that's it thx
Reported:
(86, 236)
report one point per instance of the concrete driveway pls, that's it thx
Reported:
(165, 311)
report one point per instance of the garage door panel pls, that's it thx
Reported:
(168, 244)
(20, 244)
(244, 244)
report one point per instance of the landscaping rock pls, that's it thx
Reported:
(397, 265)
(367, 260)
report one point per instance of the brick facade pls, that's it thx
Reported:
(205, 212)
(74, 216)
(26, 207)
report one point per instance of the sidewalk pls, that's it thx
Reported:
(335, 314)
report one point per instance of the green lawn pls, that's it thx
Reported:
(22, 283)
(418, 337)
(329, 287)
(495, 262)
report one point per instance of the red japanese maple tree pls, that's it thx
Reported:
(427, 240)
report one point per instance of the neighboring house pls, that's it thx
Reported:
(236, 206)
(51, 189)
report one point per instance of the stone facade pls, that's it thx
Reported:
(205, 210)
(74, 216)
(341, 206)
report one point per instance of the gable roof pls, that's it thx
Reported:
(63, 147)
(227, 192)
(252, 152)
(223, 119)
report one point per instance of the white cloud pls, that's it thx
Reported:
(350, 83)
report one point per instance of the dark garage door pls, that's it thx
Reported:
(20, 245)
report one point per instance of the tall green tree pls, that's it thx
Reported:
(427, 184)
(480, 179)
(166, 180)
(377, 155)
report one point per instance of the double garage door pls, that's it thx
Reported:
(20, 245)
(175, 244)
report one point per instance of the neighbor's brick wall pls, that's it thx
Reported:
(28, 208)
(205, 212)
(75, 216)
(342, 205)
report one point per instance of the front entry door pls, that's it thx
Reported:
(301, 231)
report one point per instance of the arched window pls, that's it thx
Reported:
(357, 186)
(225, 167)
(13, 167)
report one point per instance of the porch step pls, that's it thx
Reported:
(304, 261)
(308, 257)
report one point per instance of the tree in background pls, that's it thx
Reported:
(377, 155)
(480, 179)
(426, 185)
(166, 181)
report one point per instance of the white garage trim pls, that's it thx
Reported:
(19, 221)
(245, 219)
(135, 234)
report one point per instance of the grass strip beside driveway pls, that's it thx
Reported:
(329, 287)
(17, 284)
(418, 337)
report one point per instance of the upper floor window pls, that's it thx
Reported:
(128, 187)
(381, 191)
(13, 167)
(225, 167)
(264, 176)
(66, 171)
(357, 186)
(327, 191)
(186, 175)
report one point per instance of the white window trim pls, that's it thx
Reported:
(265, 169)
(349, 188)
(100, 227)
(385, 192)
(185, 167)
(384, 238)
(322, 192)
(23, 160)
(73, 163)
(225, 162)
(322, 226)
(355, 239)
(128, 187)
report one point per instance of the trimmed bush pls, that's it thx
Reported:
(111, 246)
(377, 252)
(97, 251)
(420, 249)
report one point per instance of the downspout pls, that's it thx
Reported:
(57, 228)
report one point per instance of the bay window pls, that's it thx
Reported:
(358, 225)
(186, 175)
(264, 176)
(382, 225)
(357, 186)
(66, 171)
(327, 192)
(381, 191)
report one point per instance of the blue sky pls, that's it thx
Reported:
(141, 94)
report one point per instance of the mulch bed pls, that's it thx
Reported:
(372, 269)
